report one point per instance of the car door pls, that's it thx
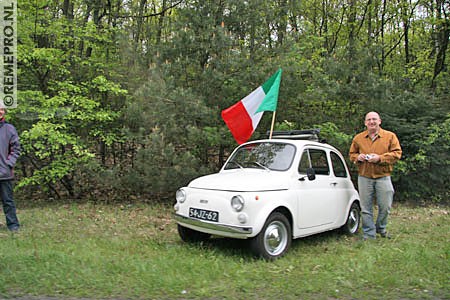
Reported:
(317, 198)
(342, 185)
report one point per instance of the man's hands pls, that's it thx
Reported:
(372, 158)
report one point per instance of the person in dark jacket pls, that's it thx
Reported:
(9, 152)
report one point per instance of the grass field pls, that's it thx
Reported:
(134, 252)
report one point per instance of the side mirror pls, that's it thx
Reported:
(311, 173)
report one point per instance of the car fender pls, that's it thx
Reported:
(269, 202)
(355, 198)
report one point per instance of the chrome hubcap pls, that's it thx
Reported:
(275, 238)
(353, 220)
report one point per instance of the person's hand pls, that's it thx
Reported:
(373, 158)
(361, 157)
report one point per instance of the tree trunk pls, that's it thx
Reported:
(442, 37)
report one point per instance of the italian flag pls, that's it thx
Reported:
(243, 117)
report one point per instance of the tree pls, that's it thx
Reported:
(128, 93)
(62, 112)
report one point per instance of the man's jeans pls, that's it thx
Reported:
(9, 208)
(382, 189)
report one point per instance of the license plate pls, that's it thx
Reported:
(204, 214)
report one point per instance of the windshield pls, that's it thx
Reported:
(269, 156)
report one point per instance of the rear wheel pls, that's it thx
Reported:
(351, 226)
(192, 236)
(274, 239)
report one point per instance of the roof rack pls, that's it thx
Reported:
(306, 134)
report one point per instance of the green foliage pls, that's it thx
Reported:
(430, 164)
(65, 97)
(56, 143)
(331, 133)
(163, 128)
(59, 120)
(159, 168)
(106, 87)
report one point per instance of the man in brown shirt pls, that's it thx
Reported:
(375, 151)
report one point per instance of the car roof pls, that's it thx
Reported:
(297, 143)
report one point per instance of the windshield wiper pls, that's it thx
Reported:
(236, 163)
(260, 165)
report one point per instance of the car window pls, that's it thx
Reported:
(271, 156)
(338, 165)
(316, 159)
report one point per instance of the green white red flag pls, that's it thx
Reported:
(243, 117)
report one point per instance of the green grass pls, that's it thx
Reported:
(92, 251)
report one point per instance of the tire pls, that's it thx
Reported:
(274, 239)
(351, 226)
(192, 236)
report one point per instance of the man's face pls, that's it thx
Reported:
(2, 113)
(372, 121)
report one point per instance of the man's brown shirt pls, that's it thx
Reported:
(386, 145)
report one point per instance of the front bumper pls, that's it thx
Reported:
(215, 228)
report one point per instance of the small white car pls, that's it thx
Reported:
(271, 191)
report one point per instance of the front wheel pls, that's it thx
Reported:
(274, 239)
(192, 236)
(351, 226)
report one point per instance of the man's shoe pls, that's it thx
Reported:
(385, 235)
(14, 230)
(368, 238)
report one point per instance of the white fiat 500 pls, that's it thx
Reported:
(271, 191)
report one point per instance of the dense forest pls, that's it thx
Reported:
(120, 100)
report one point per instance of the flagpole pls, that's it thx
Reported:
(273, 123)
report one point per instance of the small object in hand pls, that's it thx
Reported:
(368, 156)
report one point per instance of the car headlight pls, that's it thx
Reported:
(180, 195)
(237, 203)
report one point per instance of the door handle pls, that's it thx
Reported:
(333, 183)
